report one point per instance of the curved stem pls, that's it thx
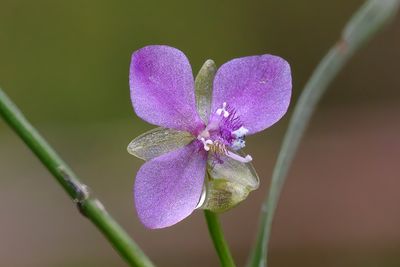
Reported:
(214, 227)
(364, 24)
(89, 206)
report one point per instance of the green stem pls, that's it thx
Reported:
(214, 227)
(89, 206)
(364, 24)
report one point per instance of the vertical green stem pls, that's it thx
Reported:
(214, 227)
(364, 24)
(89, 206)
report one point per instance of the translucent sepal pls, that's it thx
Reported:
(157, 142)
(204, 84)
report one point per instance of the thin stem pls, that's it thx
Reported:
(214, 227)
(364, 24)
(89, 206)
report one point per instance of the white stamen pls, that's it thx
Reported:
(223, 111)
(240, 132)
(206, 143)
(234, 156)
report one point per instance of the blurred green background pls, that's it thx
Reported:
(65, 63)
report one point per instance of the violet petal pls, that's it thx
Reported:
(162, 88)
(258, 88)
(168, 188)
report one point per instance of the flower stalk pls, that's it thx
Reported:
(364, 24)
(214, 227)
(88, 205)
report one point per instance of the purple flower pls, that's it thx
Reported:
(194, 159)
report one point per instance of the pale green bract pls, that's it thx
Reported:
(227, 184)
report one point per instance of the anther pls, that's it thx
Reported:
(206, 143)
(238, 143)
(240, 132)
(223, 111)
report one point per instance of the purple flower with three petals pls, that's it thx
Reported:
(194, 159)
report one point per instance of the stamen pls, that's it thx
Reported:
(238, 143)
(239, 158)
(218, 148)
(240, 132)
(223, 110)
(206, 143)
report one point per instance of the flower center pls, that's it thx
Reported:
(224, 134)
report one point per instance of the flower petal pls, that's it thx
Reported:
(258, 88)
(204, 84)
(162, 88)
(168, 188)
(158, 141)
(229, 184)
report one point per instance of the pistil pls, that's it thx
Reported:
(239, 158)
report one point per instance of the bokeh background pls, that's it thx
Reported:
(65, 63)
